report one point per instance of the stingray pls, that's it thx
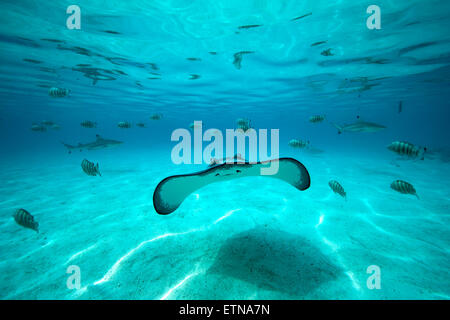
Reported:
(171, 192)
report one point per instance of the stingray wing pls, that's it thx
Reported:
(171, 192)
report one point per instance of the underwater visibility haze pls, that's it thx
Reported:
(94, 205)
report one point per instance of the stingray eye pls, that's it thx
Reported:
(238, 171)
(217, 174)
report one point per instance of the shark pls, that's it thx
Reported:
(359, 126)
(99, 143)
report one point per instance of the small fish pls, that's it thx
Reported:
(32, 61)
(243, 124)
(301, 17)
(47, 123)
(111, 32)
(58, 92)
(43, 85)
(250, 26)
(38, 128)
(337, 188)
(119, 72)
(412, 23)
(89, 168)
(53, 40)
(417, 46)
(156, 116)
(88, 124)
(318, 43)
(404, 187)
(25, 219)
(55, 127)
(194, 77)
(407, 149)
(316, 118)
(400, 106)
(327, 53)
(238, 58)
(154, 66)
(124, 125)
(295, 143)
(193, 126)
(194, 59)
(212, 53)
(140, 125)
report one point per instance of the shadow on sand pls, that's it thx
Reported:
(275, 260)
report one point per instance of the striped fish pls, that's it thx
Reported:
(317, 118)
(337, 188)
(25, 219)
(243, 124)
(58, 92)
(156, 116)
(298, 143)
(88, 124)
(90, 168)
(37, 127)
(124, 125)
(47, 123)
(404, 148)
(404, 187)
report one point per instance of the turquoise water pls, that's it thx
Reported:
(248, 238)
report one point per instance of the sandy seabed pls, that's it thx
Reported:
(250, 238)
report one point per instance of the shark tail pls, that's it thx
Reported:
(422, 153)
(68, 146)
(338, 127)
